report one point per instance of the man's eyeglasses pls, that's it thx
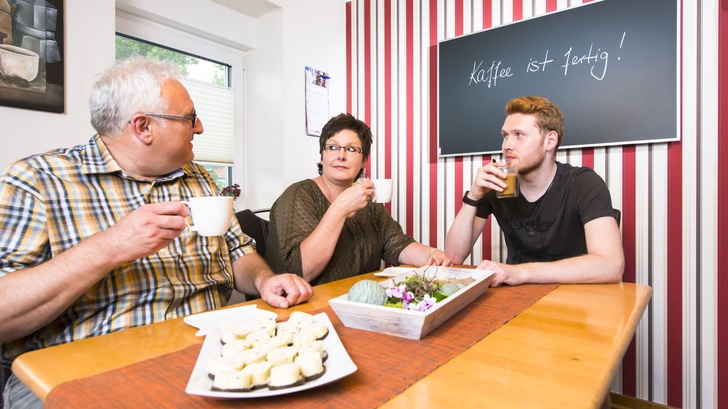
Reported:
(192, 117)
(337, 148)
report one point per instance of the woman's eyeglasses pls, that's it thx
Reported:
(337, 148)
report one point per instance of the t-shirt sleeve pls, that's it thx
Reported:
(594, 198)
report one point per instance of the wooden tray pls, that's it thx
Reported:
(412, 324)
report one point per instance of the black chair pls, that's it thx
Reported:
(4, 376)
(618, 216)
(255, 227)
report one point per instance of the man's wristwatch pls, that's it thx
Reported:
(469, 201)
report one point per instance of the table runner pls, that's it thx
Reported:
(387, 365)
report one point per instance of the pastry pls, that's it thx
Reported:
(259, 373)
(318, 329)
(300, 319)
(311, 365)
(258, 336)
(273, 343)
(233, 332)
(315, 346)
(218, 364)
(232, 348)
(287, 332)
(285, 376)
(284, 355)
(303, 338)
(265, 324)
(251, 356)
(269, 354)
(232, 381)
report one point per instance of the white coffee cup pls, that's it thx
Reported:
(382, 190)
(211, 215)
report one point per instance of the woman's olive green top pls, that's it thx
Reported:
(367, 238)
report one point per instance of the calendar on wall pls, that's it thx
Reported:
(317, 100)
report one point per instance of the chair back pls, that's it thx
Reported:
(255, 227)
(4, 376)
(618, 216)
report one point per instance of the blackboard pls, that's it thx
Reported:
(611, 67)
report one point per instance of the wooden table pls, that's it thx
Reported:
(563, 351)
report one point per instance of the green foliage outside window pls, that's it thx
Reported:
(127, 47)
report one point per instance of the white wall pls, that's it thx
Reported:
(272, 148)
(278, 151)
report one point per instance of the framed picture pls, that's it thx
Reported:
(31, 54)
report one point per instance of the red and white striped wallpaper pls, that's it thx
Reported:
(672, 195)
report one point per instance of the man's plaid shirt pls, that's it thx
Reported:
(52, 201)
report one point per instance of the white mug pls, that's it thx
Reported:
(211, 215)
(382, 190)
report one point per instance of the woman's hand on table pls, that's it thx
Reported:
(417, 254)
(437, 257)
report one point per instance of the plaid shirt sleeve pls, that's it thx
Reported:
(23, 233)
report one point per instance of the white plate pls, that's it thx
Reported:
(204, 320)
(394, 271)
(338, 365)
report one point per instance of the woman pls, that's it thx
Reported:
(328, 228)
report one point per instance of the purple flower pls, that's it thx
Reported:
(429, 301)
(414, 294)
(426, 303)
(395, 291)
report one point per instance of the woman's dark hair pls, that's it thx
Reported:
(338, 124)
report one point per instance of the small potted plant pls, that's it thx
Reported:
(232, 191)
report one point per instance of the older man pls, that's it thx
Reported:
(93, 238)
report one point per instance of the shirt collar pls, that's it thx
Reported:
(98, 160)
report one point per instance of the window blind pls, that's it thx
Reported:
(214, 105)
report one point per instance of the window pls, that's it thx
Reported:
(208, 83)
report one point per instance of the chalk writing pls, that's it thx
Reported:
(536, 66)
(490, 76)
(591, 58)
(597, 61)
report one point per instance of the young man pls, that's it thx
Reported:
(93, 238)
(561, 228)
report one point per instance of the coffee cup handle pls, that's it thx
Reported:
(189, 226)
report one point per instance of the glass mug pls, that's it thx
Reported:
(511, 179)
